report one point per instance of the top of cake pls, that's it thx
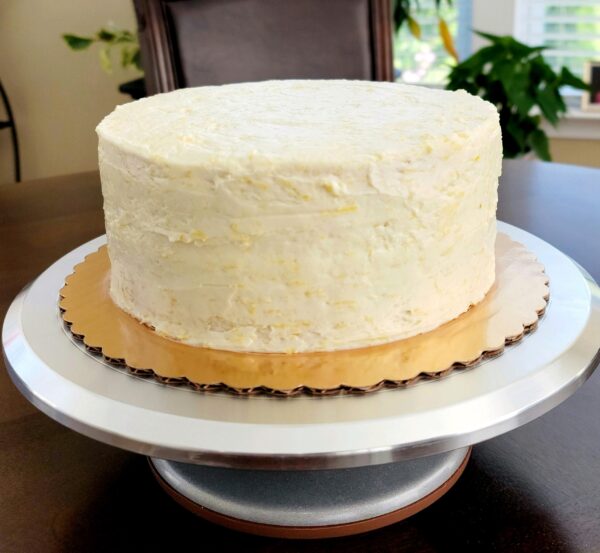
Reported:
(324, 121)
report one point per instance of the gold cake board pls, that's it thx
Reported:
(510, 310)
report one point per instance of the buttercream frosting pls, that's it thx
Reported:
(287, 216)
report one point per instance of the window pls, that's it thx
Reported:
(426, 61)
(570, 29)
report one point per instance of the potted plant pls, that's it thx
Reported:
(112, 39)
(517, 80)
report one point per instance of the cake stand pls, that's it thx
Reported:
(306, 466)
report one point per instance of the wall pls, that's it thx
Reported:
(58, 96)
(578, 152)
(496, 17)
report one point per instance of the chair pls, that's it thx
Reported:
(10, 124)
(199, 42)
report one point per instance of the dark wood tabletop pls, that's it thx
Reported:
(536, 488)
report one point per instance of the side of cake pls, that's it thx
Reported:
(300, 215)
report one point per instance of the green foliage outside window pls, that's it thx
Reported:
(422, 58)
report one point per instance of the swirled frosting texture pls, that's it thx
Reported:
(300, 215)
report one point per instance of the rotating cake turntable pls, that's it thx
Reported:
(306, 466)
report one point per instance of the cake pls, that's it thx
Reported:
(289, 216)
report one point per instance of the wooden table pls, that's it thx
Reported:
(534, 489)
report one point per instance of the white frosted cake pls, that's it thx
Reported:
(288, 216)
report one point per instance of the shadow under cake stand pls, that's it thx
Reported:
(306, 467)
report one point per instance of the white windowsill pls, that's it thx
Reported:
(576, 124)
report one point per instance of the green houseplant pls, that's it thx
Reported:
(517, 80)
(111, 39)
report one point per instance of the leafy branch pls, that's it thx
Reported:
(403, 12)
(125, 41)
(517, 80)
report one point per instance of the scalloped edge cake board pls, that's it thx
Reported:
(510, 310)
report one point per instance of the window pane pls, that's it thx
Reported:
(571, 28)
(574, 45)
(426, 60)
(582, 11)
(568, 28)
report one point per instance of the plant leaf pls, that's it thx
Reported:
(541, 71)
(567, 78)
(126, 55)
(136, 58)
(560, 101)
(104, 35)
(516, 131)
(495, 39)
(447, 39)
(514, 79)
(539, 144)
(511, 44)
(474, 64)
(459, 81)
(105, 62)
(546, 99)
(77, 42)
(414, 27)
(504, 71)
(400, 12)
(125, 36)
